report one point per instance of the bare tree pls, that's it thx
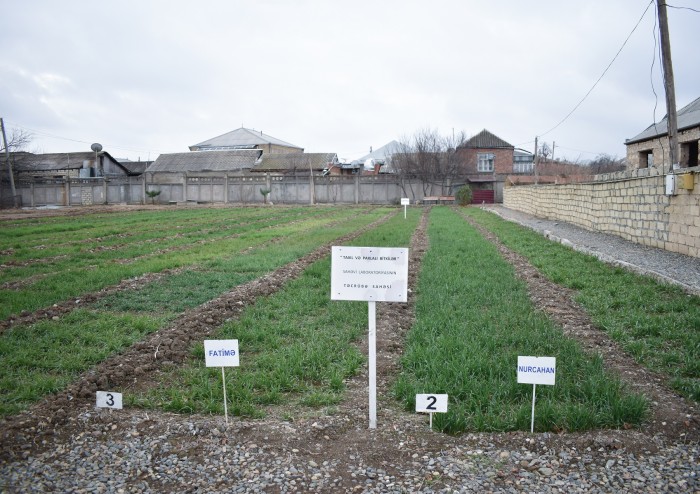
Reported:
(18, 140)
(429, 158)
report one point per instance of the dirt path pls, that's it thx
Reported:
(672, 415)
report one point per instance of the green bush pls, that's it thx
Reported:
(464, 196)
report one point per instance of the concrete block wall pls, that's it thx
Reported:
(630, 204)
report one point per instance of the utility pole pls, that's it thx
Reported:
(554, 144)
(669, 86)
(9, 164)
(536, 162)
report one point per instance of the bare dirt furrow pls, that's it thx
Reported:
(672, 415)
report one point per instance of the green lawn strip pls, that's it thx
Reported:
(131, 242)
(210, 279)
(296, 346)
(77, 229)
(72, 282)
(473, 319)
(658, 324)
(41, 359)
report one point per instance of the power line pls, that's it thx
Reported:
(46, 134)
(683, 8)
(602, 75)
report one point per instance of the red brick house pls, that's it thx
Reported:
(488, 160)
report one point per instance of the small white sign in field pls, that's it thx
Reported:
(109, 399)
(405, 201)
(430, 404)
(221, 353)
(372, 274)
(537, 370)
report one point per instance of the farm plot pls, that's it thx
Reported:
(34, 361)
(43, 266)
(656, 323)
(314, 437)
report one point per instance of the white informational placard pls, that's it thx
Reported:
(405, 201)
(537, 370)
(372, 274)
(431, 403)
(109, 399)
(221, 353)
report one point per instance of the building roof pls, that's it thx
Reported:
(30, 162)
(135, 167)
(283, 162)
(205, 161)
(688, 117)
(241, 139)
(486, 140)
(384, 152)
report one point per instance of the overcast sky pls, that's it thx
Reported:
(149, 77)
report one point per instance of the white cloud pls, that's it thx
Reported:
(158, 76)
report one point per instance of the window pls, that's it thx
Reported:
(521, 166)
(484, 162)
(646, 159)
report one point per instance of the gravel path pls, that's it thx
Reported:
(667, 266)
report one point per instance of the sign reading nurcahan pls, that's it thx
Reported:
(374, 274)
(537, 370)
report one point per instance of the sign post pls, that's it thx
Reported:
(430, 404)
(222, 353)
(372, 274)
(405, 201)
(536, 370)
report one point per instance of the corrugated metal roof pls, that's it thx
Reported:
(241, 139)
(294, 161)
(205, 161)
(688, 117)
(486, 140)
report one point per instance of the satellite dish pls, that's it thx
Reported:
(97, 147)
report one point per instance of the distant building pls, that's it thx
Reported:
(87, 164)
(650, 147)
(246, 139)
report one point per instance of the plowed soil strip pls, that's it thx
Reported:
(672, 415)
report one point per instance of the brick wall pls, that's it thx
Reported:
(631, 204)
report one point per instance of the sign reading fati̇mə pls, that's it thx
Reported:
(221, 353)
(373, 274)
(537, 370)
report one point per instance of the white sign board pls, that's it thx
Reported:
(109, 399)
(537, 370)
(431, 403)
(405, 201)
(221, 353)
(373, 274)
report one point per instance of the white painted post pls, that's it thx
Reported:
(532, 420)
(223, 378)
(372, 344)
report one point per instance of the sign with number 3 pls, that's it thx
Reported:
(109, 399)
